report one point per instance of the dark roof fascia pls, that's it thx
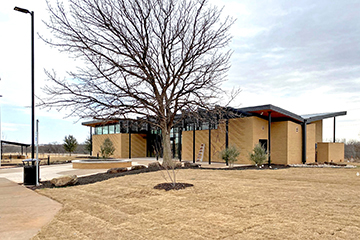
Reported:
(275, 109)
(15, 143)
(98, 122)
(324, 116)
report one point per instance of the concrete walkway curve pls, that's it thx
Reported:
(23, 212)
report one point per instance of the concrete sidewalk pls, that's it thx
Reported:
(47, 172)
(23, 212)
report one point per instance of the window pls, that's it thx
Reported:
(105, 130)
(117, 128)
(204, 126)
(98, 130)
(111, 129)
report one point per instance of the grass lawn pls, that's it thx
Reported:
(294, 203)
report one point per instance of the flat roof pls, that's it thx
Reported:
(15, 143)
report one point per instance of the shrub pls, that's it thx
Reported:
(230, 155)
(107, 148)
(258, 156)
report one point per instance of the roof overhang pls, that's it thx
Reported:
(277, 114)
(320, 116)
(15, 143)
(96, 123)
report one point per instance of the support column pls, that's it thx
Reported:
(227, 136)
(269, 139)
(304, 142)
(129, 131)
(179, 143)
(194, 142)
(334, 139)
(227, 133)
(91, 140)
(210, 125)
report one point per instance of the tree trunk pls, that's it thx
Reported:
(167, 160)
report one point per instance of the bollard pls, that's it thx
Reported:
(48, 159)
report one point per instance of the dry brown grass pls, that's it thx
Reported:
(267, 204)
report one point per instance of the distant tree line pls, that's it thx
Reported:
(54, 147)
(352, 149)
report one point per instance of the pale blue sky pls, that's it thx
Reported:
(302, 56)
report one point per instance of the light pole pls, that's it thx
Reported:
(32, 81)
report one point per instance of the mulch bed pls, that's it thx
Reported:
(167, 186)
(170, 186)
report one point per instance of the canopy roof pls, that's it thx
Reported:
(15, 143)
(279, 114)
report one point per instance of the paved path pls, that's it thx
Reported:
(47, 172)
(22, 211)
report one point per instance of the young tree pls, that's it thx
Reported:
(230, 155)
(107, 148)
(70, 144)
(258, 156)
(146, 58)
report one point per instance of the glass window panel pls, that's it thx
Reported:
(205, 126)
(105, 129)
(117, 128)
(111, 129)
(98, 130)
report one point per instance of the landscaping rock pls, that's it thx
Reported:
(187, 164)
(116, 170)
(138, 167)
(335, 164)
(63, 181)
(178, 165)
(191, 165)
(155, 166)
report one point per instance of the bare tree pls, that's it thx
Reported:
(144, 58)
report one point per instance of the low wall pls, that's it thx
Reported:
(330, 152)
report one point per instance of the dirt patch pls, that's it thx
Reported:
(171, 186)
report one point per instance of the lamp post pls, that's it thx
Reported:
(32, 81)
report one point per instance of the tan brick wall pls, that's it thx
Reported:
(124, 145)
(319, 131)
(330, 152)
(241, 135)
(201, 136)
(186, 147)
(121, 144)
(138, 145)
(259, 131)
(294, 143)
(98, 140)
(336, 152)
(310, 142)
(322, 152)
(218, 142)
(279, 143)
